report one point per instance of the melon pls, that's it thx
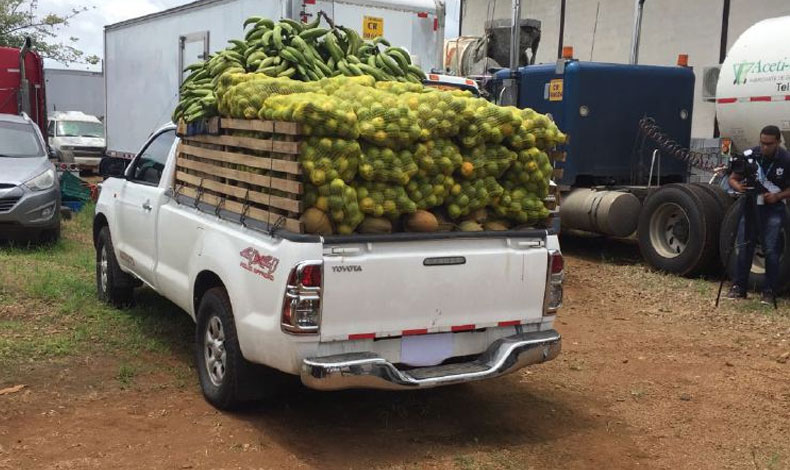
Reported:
(316, 222)
(470, 226)
(422, 221)
(495, 225)
(372, 225)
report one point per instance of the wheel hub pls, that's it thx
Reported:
(669, 230)
(214, 351)
(103, 269)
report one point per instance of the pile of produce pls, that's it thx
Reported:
(381, 153)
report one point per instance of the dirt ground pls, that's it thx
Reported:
(651, 376)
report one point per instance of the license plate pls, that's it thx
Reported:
(426, 350)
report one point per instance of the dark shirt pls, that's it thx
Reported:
(776, 169)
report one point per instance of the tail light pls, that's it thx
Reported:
(302, 303)
(555, 273)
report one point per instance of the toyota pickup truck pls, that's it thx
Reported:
(398, 311)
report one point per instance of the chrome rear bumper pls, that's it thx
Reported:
(368, 370)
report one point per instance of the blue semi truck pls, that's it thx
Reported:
(626, 169)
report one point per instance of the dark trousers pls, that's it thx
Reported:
(770, 221)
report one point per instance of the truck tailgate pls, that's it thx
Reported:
(385, 289)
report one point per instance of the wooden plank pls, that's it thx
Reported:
(251, 143)
(280, 146)
(181, 129)
(252, 212)
(248, 125)
(212, 126)
(264, 163)
(293, 205)
(290, 128)
(294, 187)
(558, 173)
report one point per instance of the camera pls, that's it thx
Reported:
(746, 166)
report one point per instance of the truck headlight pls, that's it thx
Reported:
(43, 181)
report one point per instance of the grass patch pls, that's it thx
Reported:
(51, 290)
(126, 375)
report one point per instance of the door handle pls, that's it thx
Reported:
(147, 206)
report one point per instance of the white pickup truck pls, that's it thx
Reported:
(400, 311)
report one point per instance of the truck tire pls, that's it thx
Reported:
(714, 213)
(727, 239)
(724, 199)
(673, 231)
(227, 379)
(114, 286)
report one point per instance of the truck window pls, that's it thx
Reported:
(80, 129)
(51, 129)
(149, 165)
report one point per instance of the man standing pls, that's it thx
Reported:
(774, 173)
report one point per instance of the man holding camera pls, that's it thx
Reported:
(774, 175)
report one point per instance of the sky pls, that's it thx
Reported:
(88, 27)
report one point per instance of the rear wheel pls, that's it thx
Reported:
(227, 379)
(673, 230)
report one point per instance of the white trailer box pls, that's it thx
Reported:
(144, 57)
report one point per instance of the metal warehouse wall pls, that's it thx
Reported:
(669, 28)
(74, 90)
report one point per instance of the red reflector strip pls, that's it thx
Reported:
(727, 100)
(509, 323)
(420, 331)
(362, 336)
(760, 98)
(787, 97)
(433, 77)
(462, 328)
(435, 24)
(422, 14)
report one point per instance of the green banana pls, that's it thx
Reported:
(266, 39)
(354, 41)
(287, 73)
(372, 71)
(233, 55)
(333, 48)
(251, 20)
(331, 64)
(343, 67)
(312, 75)
(313, 33)
(277, 37)
(324, 68)
(255, 33)
(296, 26)
(354, 69)
(293, 55)
(302, 71)
(417, 71)
(265, 23)
(313, 24)
(267, 62)
(381, 40)
(256, 56)
(391, 64)
(352, 59)
(400, 55)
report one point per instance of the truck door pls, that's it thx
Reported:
(139, 202)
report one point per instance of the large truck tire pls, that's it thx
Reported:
(674, 230)
(729, 252)
(724, 199)
(714, 213)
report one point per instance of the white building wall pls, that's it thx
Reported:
(669, 28)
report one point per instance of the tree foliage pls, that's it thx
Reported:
(21, 18)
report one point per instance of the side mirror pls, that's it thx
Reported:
(53, 153)
(113, 167)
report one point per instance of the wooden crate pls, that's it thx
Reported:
(255, 175)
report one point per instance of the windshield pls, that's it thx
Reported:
(80, 129)
(19, 140)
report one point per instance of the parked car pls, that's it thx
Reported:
(29, 189)
(77, 138)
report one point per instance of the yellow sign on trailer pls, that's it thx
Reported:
(372, 27)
